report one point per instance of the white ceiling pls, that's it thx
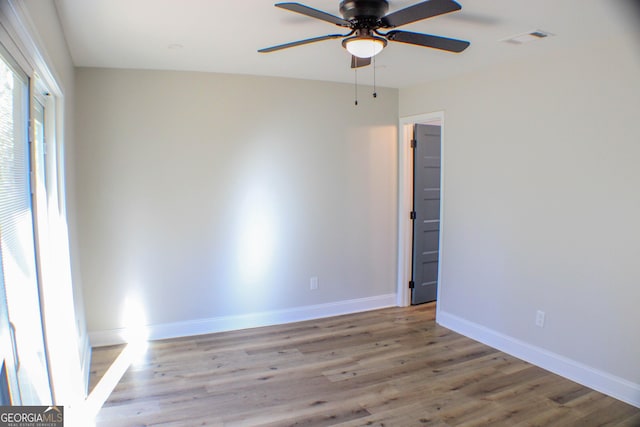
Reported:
(224, 35)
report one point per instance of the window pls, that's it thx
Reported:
(18, 244)
(42, 355)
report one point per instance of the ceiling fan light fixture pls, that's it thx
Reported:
(364, 46)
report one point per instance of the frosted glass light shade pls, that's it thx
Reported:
(364, 47)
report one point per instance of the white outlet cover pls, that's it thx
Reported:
(540, 318)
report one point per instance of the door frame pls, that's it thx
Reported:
(405, 202)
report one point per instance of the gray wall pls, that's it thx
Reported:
(541, 201)
(208, 195)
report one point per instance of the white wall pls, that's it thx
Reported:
(206, 195)
(541, 207)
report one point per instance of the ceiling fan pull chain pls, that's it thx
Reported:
(356, 85)
(375, 92)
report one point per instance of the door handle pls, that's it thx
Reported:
(16, 356)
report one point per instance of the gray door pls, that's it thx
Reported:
(426, 207)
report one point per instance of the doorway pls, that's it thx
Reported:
(432, 259)
(426, 212)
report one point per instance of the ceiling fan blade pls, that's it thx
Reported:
(417, 12)
(313, 13)
(300, 43)
(428, 40)
(359, 62)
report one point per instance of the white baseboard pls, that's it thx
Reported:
(598, 380)
(244, 321)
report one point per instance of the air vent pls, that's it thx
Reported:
(527, 37)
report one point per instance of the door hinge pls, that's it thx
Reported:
(414, 143)
(412, 215)
(412, 284)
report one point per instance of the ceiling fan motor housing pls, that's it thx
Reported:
(364, 13)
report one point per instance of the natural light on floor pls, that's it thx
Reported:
(135, 334)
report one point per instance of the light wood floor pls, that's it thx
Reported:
(393, 367)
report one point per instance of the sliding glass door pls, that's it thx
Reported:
(25, 377)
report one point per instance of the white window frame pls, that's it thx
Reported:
(19, 38)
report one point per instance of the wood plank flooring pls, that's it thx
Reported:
(394, 367)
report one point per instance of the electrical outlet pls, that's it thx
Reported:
(540, 318)
(313, 283)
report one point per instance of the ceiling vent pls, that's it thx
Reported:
(527, 37)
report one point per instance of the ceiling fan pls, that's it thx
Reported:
(365, 18)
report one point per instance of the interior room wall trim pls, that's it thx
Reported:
(405, 202)
(603, 382)
(30, 57)
(86, 363)
(251, 320)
